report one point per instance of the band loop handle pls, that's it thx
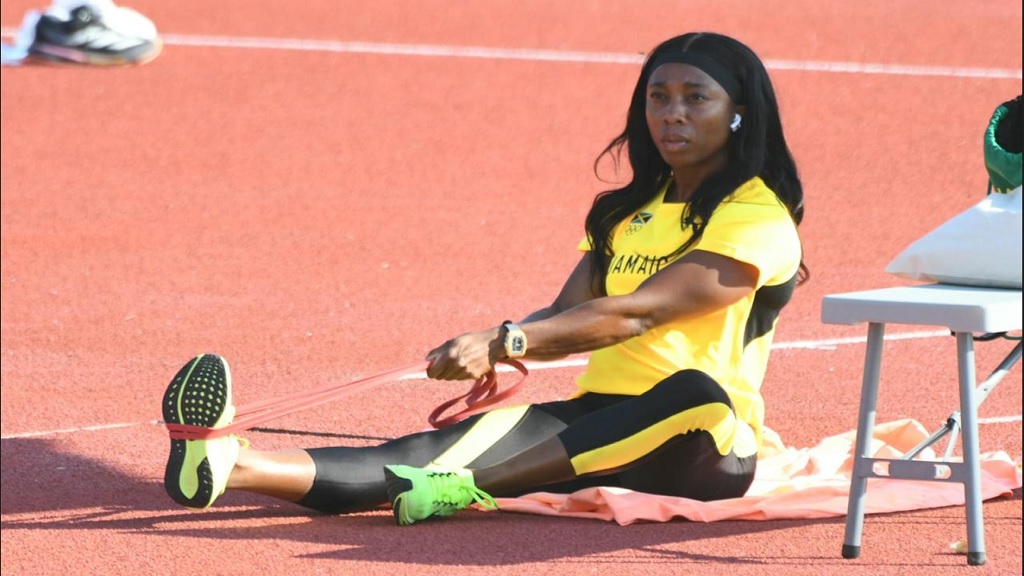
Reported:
(480, 397)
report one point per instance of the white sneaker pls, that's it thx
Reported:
(95, 32)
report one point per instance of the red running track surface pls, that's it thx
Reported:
(336, 198)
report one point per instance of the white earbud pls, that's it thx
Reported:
(737, 120)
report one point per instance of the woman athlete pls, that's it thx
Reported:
(676, 296)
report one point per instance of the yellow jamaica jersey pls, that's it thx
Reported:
(731, 344)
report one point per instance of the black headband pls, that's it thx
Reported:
(710, 66)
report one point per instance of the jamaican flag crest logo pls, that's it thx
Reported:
(638, 222)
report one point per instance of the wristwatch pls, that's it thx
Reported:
(515, 340)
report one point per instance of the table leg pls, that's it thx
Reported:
(969, 442)
(865, 427)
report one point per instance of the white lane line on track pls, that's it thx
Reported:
(540, 55)
(826, 344)
(79, 429)
(990, 420)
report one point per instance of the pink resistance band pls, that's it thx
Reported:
(482, 395)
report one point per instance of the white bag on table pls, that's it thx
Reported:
(979, 247)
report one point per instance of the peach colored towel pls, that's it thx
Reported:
(790, 483)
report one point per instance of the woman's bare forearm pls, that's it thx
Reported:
(537, 316)
(592, 325)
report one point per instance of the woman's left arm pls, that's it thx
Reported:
(698, 283)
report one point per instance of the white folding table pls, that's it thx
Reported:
(966, 311)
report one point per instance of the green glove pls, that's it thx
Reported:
(1003, 147)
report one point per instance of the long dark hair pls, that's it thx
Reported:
(758, 149)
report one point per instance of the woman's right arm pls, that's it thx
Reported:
(472, 354)
(578, 288)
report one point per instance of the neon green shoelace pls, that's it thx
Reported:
(453, 492)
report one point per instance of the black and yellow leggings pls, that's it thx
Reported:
(680, 438)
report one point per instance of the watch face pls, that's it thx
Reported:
(517, 345)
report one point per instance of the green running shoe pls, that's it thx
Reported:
(200, 395)
(419, 493)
